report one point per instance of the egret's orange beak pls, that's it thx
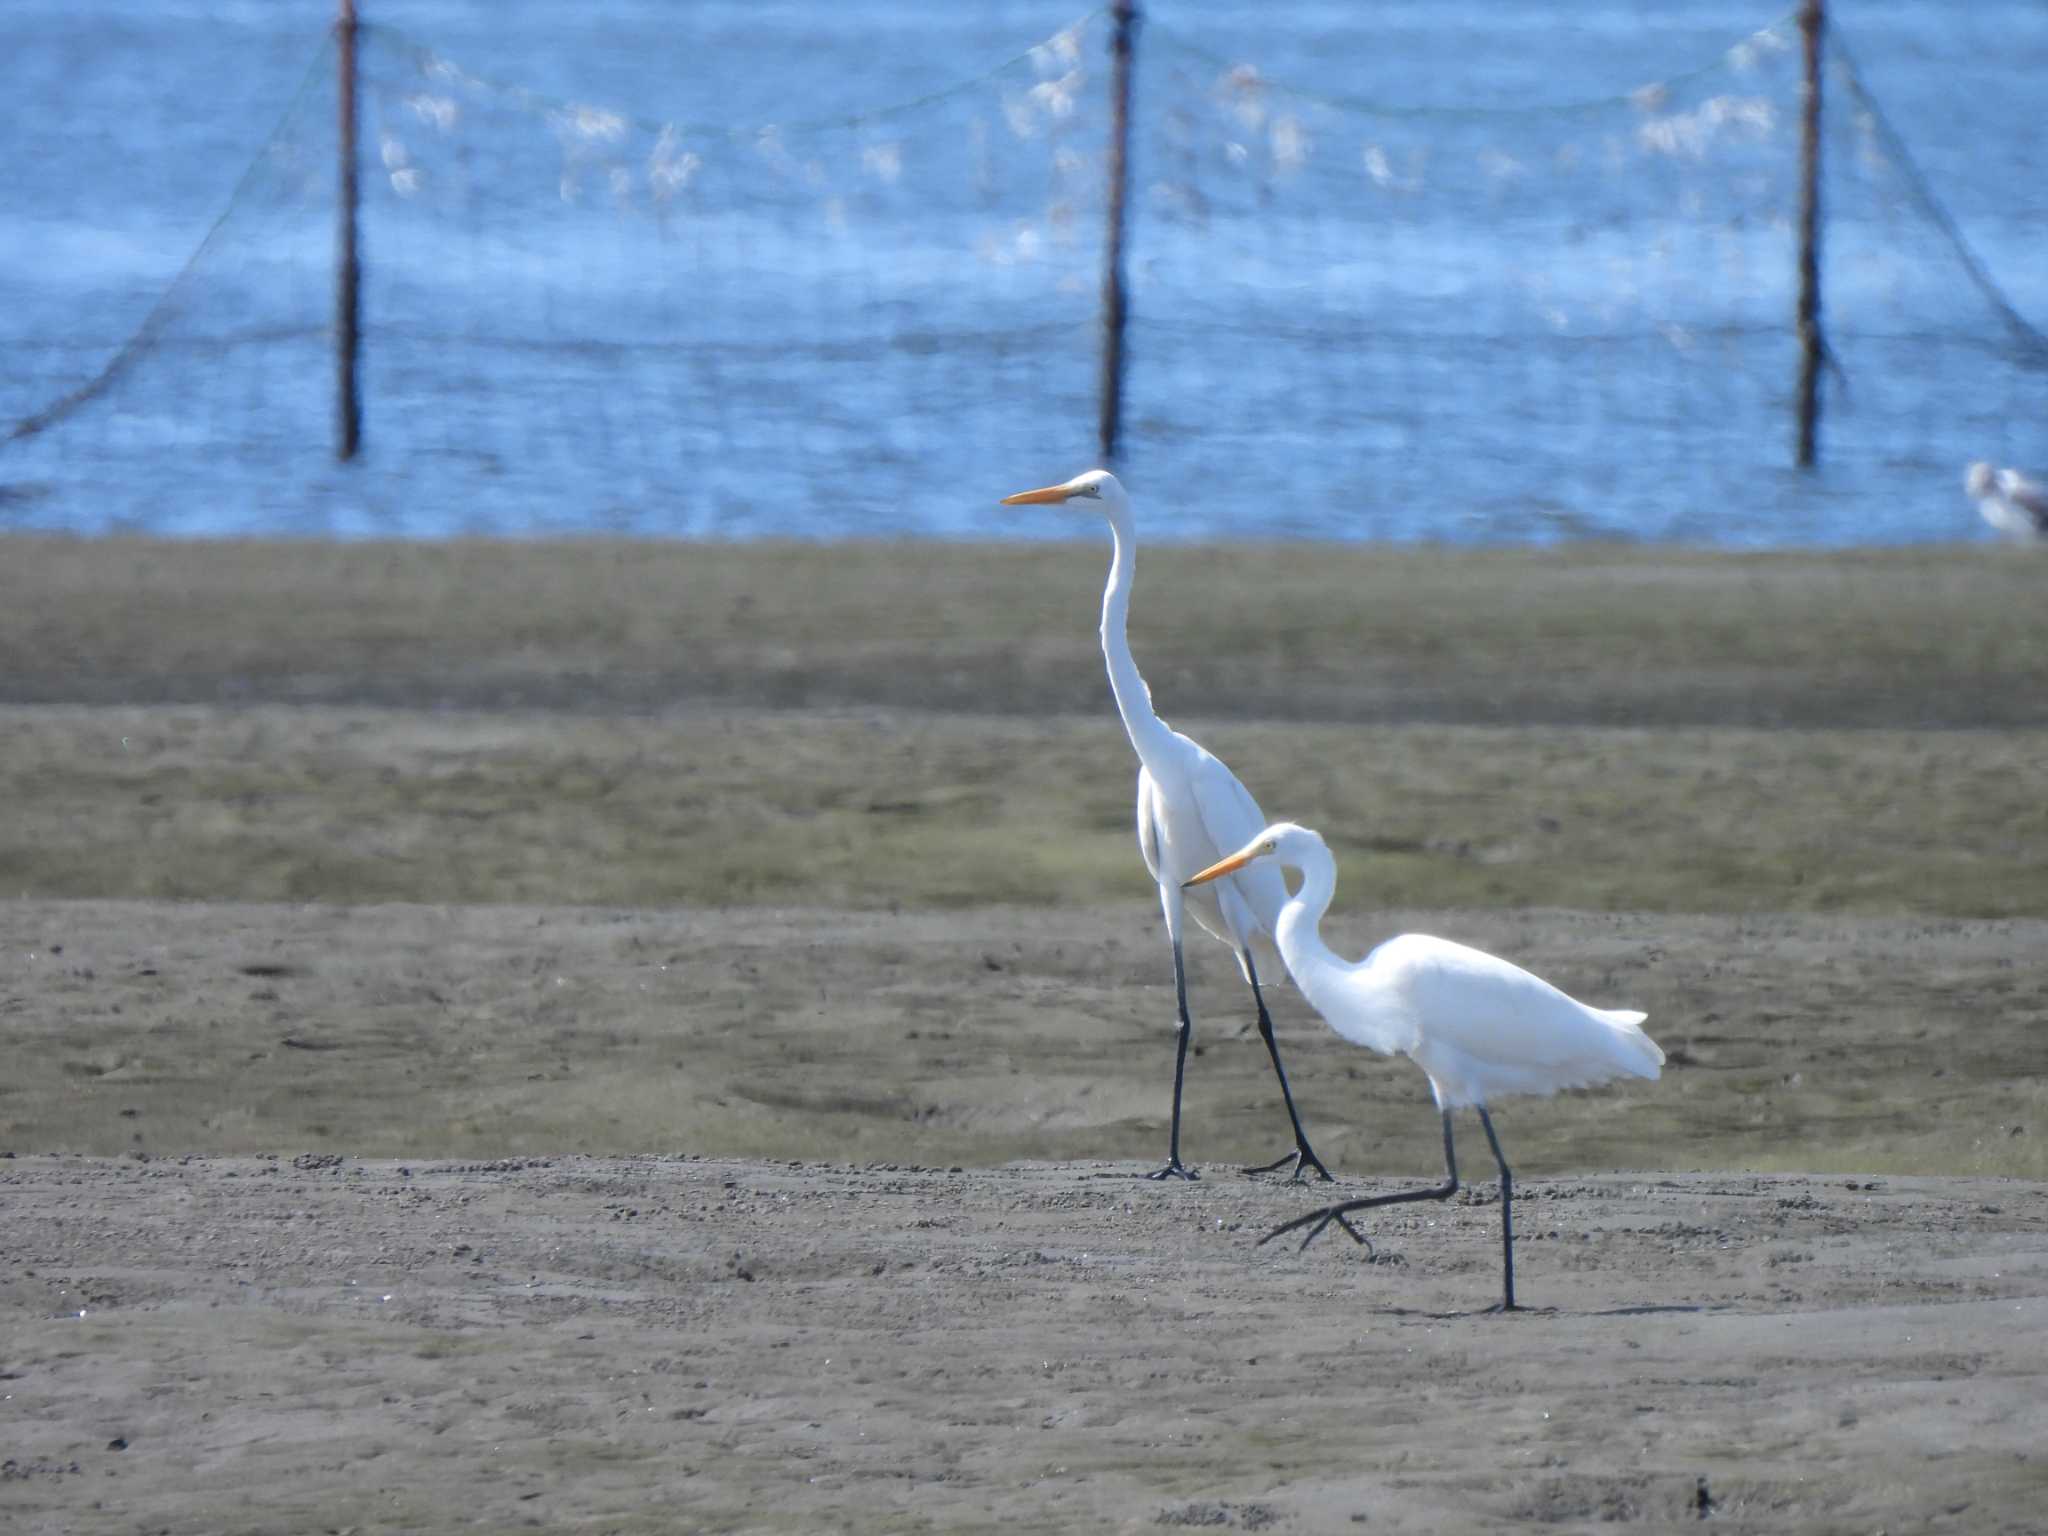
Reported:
(1221, 867)
(1048, 495)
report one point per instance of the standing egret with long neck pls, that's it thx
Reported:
(1479, 1026)
(1190, 809)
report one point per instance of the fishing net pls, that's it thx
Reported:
(1351, 317)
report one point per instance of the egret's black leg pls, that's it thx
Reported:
(1303, 1156)
(1329, 1213)
(1507, 1212)
(1174, 1168)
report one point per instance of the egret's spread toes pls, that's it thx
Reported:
(1309, 1160)
(1315, 1221)
(1357, 1236)
(1286, 1227)
(1174, 1170)
(1315, 1232)
(1297, 1163)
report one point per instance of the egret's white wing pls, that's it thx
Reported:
(1180, 845)
(1148, 822)
(1165, 836)
(1484, 1027)
(1230, 819)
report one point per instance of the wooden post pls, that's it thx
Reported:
(1812, 350)
(348, 402)
(1115, 309)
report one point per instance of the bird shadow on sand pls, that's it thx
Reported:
(1423, 1315)
(1652, 1310)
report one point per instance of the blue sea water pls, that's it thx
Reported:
(1464, 271)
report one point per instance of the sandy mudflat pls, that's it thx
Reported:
(1797, 1043)
(624, 1038)
(660, 1344)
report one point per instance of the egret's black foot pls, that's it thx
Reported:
(1297, 1162)
(1174, 1170)
(1315, 1221)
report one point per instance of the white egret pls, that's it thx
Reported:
(2009, 501)
(1190, 809)
(1478, 1026)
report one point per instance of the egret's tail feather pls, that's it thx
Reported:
(1643, 1056)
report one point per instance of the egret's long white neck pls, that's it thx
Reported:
(1347, 994)
(1299, 931)
(1148, 733)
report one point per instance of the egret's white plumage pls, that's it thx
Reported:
(1191, 811)
(2006, 499)
(1481, 1027)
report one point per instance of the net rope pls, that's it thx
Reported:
(160, 312)
(2032, 343)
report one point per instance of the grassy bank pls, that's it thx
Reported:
(880, 725)
(1907, 638)
(894, 808)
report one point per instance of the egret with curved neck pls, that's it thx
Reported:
(1190, 809)
(1480, 1027)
